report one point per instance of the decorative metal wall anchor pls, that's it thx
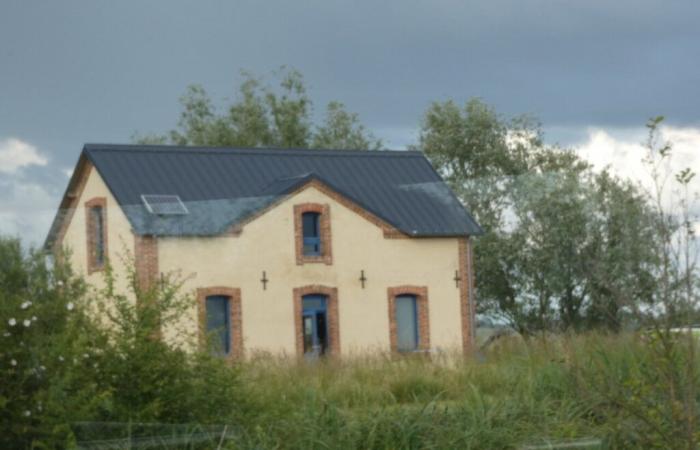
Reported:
(264, 280)
(457, 278)
(362, 278)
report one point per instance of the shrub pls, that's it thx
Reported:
(59, 366)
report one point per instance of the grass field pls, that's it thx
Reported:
(585, 391)
(515, 396)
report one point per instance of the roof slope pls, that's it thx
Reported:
(223, 186)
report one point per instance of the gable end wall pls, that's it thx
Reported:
(72, 237)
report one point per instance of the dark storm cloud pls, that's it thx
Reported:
(98, 71)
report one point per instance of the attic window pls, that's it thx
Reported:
(164, 205)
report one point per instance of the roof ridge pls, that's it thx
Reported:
(92, 147)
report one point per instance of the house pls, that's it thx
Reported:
(301, 252)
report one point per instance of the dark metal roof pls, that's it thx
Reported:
(223, 186)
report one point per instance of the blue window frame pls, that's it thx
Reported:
(406, 323)
(98, 233)
(315, 325)
(219, 324)
(311, 227)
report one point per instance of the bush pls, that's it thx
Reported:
(60, 367)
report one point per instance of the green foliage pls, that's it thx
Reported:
(343, 130)
(521, 394)
(617, 390)
(642, 389)
(263, 116)
(69, 354)
(565, 248)
(39, 322)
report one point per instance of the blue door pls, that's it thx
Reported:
(314, 325)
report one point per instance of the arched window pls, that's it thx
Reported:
(311, 233)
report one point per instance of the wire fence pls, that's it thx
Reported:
(129, 435)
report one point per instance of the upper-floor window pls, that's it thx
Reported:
(96, 215)
(312, 229)
(99, 226)
(312, 233)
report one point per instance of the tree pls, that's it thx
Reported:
(564, 246)
(262, 116)
(342, 129)
(658, 399)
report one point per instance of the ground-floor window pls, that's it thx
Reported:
(409, 327)
(220, 321)
(218, 324)
(406, 323)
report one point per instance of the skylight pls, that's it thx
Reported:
(164, 205)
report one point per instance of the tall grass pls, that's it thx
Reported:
(517, 394)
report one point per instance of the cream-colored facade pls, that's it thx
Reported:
(120, 238)
(267, 244)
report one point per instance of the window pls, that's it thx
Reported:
(218, 310)
(311, 232)
(220, 321)
(96, 221)
(406, 323)
(98, 224)
(409, 322)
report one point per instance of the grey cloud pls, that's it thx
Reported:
(79, 71)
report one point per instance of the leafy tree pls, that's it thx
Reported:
(342, 129)
(564, 248)
(655, 405)
(265, 117)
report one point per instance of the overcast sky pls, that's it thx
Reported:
(97, 71)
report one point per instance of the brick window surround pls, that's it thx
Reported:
(421, 294)
(323, 210)
(93, 265)
(331, 295)
(235, 319)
